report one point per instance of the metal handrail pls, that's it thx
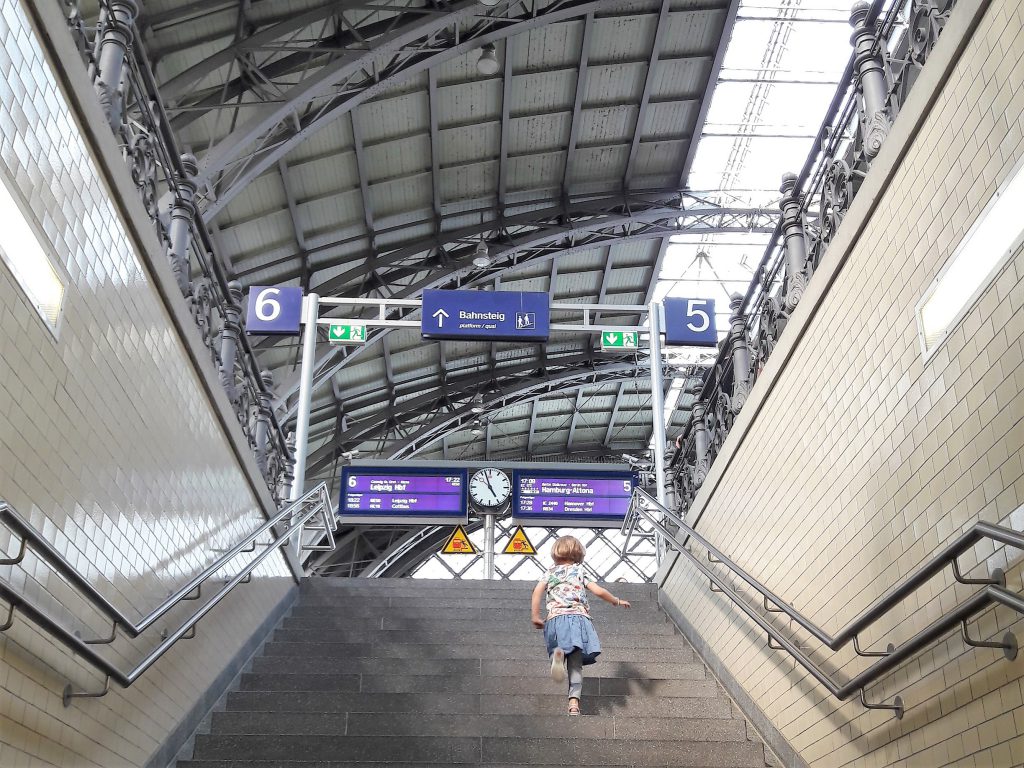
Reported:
(993, 593)
(294, 516)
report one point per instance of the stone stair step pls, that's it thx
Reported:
(533, 669)
(483, 751)
(416, 587)
(463, 703)
(443, 726)
(433, 624)
(409, 631)
(532, 652)
(303, 630)
(592, 686)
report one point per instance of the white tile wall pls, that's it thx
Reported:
(109, 446)
(865, 460)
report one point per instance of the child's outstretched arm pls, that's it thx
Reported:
(535, 602)
(605, 595)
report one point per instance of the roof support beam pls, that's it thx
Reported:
(575, 418)
(435, 149)
(506, 104)
(364, 184)
(615, 414)
(293, 212)
(577, 107)
(641, 115)
(533, 427)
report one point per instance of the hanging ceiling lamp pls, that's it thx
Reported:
(478, 403)
(487, 64)
(481, 256)
(489, 3)
(478, 427)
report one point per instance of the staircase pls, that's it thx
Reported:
(428, 673)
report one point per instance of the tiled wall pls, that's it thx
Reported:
(109, 446)
(865, 459)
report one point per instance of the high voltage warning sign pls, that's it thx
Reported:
(519, 544)
(458, 543)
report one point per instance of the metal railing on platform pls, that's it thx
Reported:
(678, 535)
(314, 505)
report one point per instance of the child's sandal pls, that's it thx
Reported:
(574, 710)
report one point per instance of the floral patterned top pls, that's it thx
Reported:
(566, 590)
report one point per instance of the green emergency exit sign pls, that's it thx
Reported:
(618, 340)
(346, 333)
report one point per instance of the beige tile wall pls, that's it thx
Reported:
(865, 459)
(110, 447)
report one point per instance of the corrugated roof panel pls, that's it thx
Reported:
(693, 31)
(622, 38)
(628, 278)
(638, 252)
(394, 117)
(327, 176)
(614, 84)
(469, 143)
(543, 91)
(606, 125)
(474, 182)
(600, 163)
(535, 171)
(579, 285)
(400, 157)
(672, 120)
(322, 143)
(325, 215)
(469, 102)
(577, 261)
(539, 133)
(681, 79)
(548, 46)
(263, 195)
(657, 157)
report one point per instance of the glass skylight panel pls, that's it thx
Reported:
(25, 254)
(991, 241)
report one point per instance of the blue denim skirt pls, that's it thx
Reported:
(572, 632)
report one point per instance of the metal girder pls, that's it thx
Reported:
(548, 242)
(641, 115)
(575, 418)
(615, 414)
(506, 103)
(363, 70)
(530, 389)
(435, 148)
(363, 174)
(383, 412)
(577, 107)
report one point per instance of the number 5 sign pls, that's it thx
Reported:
(690, 322)
(274, 310)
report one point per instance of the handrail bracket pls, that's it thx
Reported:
(20, 556)
(896, 706)
(998, 578)
(70, 693)
(1008, 643)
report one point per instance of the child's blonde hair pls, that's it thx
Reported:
(568, 549)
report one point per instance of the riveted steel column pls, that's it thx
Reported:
(114, 45)
(870, 75)
(310, 312)
(740, 354)
(657, 400)
(182, 214)
(263, 416)
(795, 242)
(229, 336)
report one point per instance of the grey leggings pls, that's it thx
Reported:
(574, 666)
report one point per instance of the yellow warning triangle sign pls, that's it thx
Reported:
(458, 543)
(519, 544)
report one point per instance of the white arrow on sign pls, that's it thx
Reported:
(440, 315)
(611, 338)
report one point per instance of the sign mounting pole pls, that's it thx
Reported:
(310, 311)
(657, 401)
(489, 546)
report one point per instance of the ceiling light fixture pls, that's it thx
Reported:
(487, 64)
(489, 3)
(481, 256)
(477, 403)
(478, 427)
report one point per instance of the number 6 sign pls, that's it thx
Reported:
(690, 322)
(274, 311)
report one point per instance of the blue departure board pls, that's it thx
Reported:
(565, 498)
(400, 494)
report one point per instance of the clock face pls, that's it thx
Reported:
(490, 487)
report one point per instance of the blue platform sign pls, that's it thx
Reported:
(486, 315)
(274, 310)
(690, 322)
